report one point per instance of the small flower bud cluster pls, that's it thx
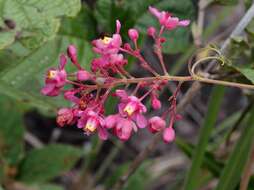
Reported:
(90, 89)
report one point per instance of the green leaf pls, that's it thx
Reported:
(226, 2)
(247, 3)
(136, 182)
(6, 38)
(44, 164)
(119, 171)
(11, 132)
(82, 26)
(177, 40)
(232, 172)
(206, 130)
(31, 70)
(247, 71)
(209, 161)
(46, 187)
(139, 179)
(34, 22)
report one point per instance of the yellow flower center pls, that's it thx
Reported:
(90, 126)
(106, 40)
(51, 74)
(129, 109)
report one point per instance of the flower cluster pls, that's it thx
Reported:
(91, 89)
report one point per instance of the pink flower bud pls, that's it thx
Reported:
(64, 117)
(156, 124)
(118, 26)
(133, 34)
(168, 135)
(83, 75)
(155, 102)
(127, 46)
(72, 53)
(151, 31)
(63, 61)
(162, 40)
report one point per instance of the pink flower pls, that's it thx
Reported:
(133, 34)
(108, 45)
(168, 134)
(166, 19)
(156, 124)
(107, 62)
(90, 122)
(55, 79)
(132, 108)
(64, 117)
(155, 102)
(122, 127)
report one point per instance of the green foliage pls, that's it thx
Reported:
(209, 123)
(232, 172)
(31, 69)
(47, 187)
(209, 161)
(241, 55)
(33, 22)
(226, 2)
(44, 164)
(136, 182)
(248, 3)
(11, 132)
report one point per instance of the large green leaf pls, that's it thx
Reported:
(206, 130)
(11, 132)
(44, 164)
(232, 172)
(34, 22)
(27, 77)
(82, 26)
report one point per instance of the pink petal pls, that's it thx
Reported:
(168, 135)
(184, 23)
(102, 133)
(63, 61)
(50, 90)
(81, 123)
(118, 26)
(155, 12)
(141, 121)
(111, 121)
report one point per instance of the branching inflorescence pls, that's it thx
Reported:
(91, 89)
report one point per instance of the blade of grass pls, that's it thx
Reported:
(232, 172)
(206, 130)
(209, 161)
